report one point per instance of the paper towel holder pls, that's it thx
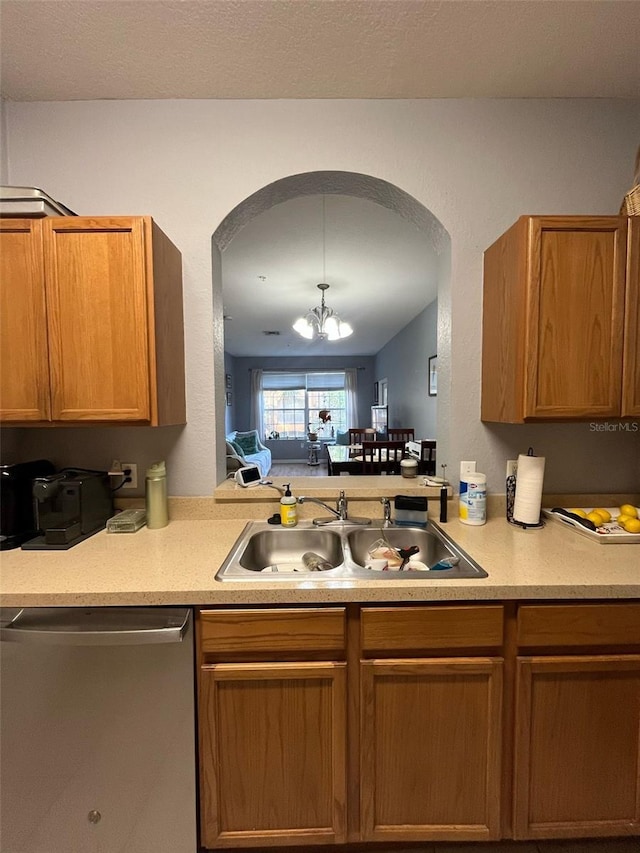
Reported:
(512, 469)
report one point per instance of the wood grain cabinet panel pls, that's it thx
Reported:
(273, 754)
(113, 331)
(545, 626)
(577, 752)
(431, 628)
(631, 372)
(281, 631)
(553, 320)
(431, 749)
(24, 354)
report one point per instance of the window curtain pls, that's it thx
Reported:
(350, 387)
(257, 418)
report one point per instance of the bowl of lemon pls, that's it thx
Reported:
(612, 524)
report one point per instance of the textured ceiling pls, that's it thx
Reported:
(381, 270)
(133, 49)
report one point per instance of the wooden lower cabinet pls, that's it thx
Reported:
(431, 749)
(408, 723)
(577, 752)
(273, 754)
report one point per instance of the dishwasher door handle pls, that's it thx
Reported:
(97, 626)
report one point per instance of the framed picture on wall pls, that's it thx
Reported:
(433, 376)
(227, 381)
(376, 393)
(228, 398)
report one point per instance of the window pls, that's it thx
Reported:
(292, 402)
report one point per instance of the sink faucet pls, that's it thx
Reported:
(340, 513)
(386, 506)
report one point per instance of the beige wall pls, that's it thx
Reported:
(477, 165)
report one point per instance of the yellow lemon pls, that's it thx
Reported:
(632, 525)
(627, 509)
(603, 514)
(621, 519)
(595, 517)
(579, 512)
(606, 515)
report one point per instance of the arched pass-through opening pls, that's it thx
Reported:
(347, 184)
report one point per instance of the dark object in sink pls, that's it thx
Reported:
(429, 549)
(315, 563)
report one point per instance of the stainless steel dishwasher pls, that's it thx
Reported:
(97, 731)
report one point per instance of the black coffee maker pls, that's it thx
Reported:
(69, 506)
(17, 514)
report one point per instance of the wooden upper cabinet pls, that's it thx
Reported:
(114, 327)
(631, 373)
(553, 320)
(24, 359)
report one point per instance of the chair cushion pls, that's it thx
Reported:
(342, 438)
(248, 441)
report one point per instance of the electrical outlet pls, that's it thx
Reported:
(132, 476)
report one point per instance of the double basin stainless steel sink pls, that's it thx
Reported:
(265, 553)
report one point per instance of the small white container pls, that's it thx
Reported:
(409, 467)
(473, 499)
(377, 564)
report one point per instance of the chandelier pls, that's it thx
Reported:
(322, 322)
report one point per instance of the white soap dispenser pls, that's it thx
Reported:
(288, 508)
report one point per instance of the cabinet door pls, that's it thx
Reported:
(631, 373)
(24, 358)
(431, 749)
(577, 747)
(576, 288)
(96, 281)
(272, 754)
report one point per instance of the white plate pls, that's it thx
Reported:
(609, 534)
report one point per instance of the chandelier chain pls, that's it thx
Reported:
(322, 322)
(324, 242)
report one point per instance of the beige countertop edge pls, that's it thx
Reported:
(176, 565)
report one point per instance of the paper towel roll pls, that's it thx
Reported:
(528, 499)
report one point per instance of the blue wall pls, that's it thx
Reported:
(404, 363)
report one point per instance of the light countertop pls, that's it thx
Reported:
(177, 564)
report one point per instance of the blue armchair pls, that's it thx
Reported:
(245, 448)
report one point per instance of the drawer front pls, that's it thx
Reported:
(431, 628)
(541, 626)
(288, 630)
